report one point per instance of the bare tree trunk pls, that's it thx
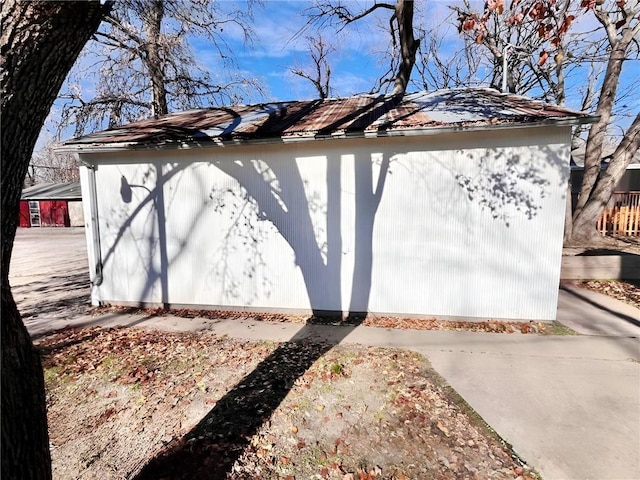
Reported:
(568, 213)
(400, 27)
(152, 24)
(591, 200)
(559, 90)
(40, 41)
(408, 45)
(584, 225)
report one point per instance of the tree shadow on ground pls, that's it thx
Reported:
(212, 447)
(57, 295)
(621, 316)
(603, 252)
(278, 192)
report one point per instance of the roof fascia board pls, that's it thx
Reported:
(216, 142)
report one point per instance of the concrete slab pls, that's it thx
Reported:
(612, 266)
(572, 416)
(592, 313)
(49, 273)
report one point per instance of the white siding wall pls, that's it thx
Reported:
(468, 224)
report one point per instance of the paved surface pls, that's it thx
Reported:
(592, 313)
(569, 405)
(50, 273)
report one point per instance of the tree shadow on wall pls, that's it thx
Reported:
(312, 226)
(147, 195)
(277, 191)
(507, 185)
(211, 448)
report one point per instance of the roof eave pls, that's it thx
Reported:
(79, 148)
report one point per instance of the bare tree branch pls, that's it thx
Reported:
(319, 51)
(401, 29)
(145, 65)
(322, 11)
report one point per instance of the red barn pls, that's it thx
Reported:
(52, 205)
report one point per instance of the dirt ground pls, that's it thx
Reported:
(625, 291)
(131, 403)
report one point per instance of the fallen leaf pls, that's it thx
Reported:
(443, 429)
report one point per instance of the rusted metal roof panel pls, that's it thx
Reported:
(364, 114)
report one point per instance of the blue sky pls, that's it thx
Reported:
(356, 64)
(358, 60)
(276, 49)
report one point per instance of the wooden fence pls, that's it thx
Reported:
(622, 215)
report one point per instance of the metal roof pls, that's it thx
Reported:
(361, 115)
(577, 158)
(53, 191)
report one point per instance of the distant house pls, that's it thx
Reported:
(52, 205)
(630, 181)
(445, 203)
(621, 217)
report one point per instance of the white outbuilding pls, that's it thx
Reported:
(445, 203)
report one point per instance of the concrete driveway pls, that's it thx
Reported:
(49, 274)
(569, 405)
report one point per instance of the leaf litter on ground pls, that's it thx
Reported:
(370, 320)
(118, 398)
(627, 291)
